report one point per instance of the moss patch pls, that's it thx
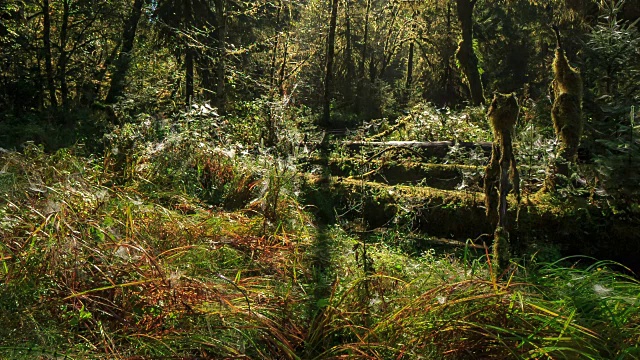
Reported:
(576, 225)
(394, 172)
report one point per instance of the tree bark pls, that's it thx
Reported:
(124, 58)
(271, 138)
(328, 79)
(188, 57)
(47, 53)
(365, 40)
(221, 95)
(188, 64)
(361, 68)
(64, 57)
(274, 50)
(349, 54)
(391, 45)
(447, 79)
(283, 66)
(408, 82)
(465, 54)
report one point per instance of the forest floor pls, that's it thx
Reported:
(187, 252)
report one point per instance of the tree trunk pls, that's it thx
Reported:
(409, 80)
(349, 54)
(365, 40)
(124, 59)
(188, 64)
(390, 46)
(447, 79)
(64, 57)
(188, 57)
(465, 54)
(274, 50)
(363, 59)
(328, 79)
(220, 68)
(283, 66)
(373, 74)
(271, 138)
(40, 83)
(47, 53)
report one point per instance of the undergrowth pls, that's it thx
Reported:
(96, 267)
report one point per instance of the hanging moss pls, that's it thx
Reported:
(503, 114)
(566, 114)
(567, 79)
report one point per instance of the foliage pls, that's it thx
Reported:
(92, 270)
(204, 215)
(612, 56)
(428, 123)
(613, 69)
(535, 144)
(618, 169)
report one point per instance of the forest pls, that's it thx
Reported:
(319, 179)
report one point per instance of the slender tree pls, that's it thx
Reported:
(124, 58)
(328, 78)
(180, 20)
(51, 85)
(188, 55)
(409, 78)
(465, 53)
(221, 52)
(274, 50)
(447, 78)
(63, 57)
(363, 58)
(348, 52)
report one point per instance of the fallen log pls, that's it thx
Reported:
(392, 172)
(420, 144)
(450, 242)
(425, 148)
(578, 225)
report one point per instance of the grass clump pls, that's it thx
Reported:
(441, 307)
(92, 268)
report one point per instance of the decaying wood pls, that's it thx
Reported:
(426, 148)
(420, 144)
(454, 243)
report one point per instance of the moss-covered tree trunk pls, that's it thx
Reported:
(501, 175)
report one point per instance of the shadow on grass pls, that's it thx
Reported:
(319, 298)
